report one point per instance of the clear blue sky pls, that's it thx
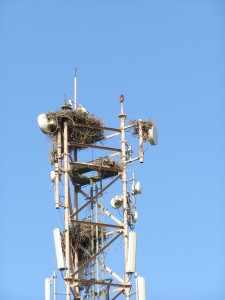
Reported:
(167, 58)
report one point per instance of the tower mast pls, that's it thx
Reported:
(86, 235)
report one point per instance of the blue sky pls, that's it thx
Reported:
(167, 58)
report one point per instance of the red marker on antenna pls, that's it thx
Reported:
(121, 98)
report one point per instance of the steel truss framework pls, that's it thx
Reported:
(118, 286)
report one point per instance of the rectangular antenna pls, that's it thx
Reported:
(58, 249)
(47, 289)
(141, 294)
(131, 260)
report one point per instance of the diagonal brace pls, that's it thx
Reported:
(117, 295)
(110, 215)
(96, 254)
(96, 196)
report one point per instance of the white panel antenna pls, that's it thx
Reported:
(47, 288)
(58, 249)
(141, 293)
(131, 261)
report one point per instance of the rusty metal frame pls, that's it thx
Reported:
(96, 254)
(96, 196)
(98, 224)
(94, 146)
(108, 214)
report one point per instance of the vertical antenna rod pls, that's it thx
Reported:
(75, 88)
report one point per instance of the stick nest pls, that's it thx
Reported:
(146, 125)
(106, 161)
(82, 238)
(78, 134)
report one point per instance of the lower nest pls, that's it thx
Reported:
(85, 239)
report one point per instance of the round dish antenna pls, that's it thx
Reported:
(46, 125)
(136, 189)
(117, 201)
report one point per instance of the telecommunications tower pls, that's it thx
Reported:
(96, 248)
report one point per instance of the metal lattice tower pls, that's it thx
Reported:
(91, 227)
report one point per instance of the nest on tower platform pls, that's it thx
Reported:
(112, 167)
(86, 239)
(76, 132)
(146, 125)
(104, 168)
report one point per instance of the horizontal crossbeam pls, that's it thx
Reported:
(96, 127)
(94, 146)
(97, 224)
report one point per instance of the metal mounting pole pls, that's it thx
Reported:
(76, 261)
(54, 284)
(122, 117)
(58, 167)
(67, 212)
(140, 137)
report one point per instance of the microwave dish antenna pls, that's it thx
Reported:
(153, 135)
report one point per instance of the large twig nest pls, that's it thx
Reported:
(85, 238)
(78, 134)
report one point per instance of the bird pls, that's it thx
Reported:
(82, 109)
(70, 103)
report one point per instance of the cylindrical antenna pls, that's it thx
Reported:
(75, 88)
